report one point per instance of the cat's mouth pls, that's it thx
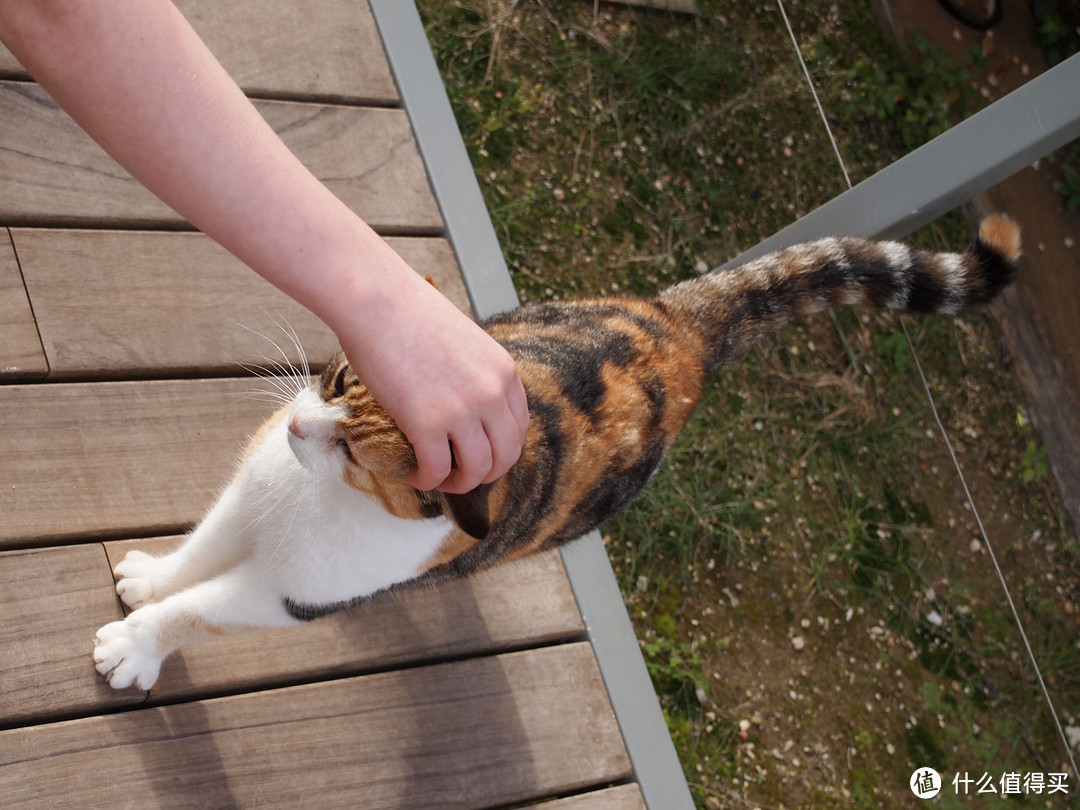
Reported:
(314, 436)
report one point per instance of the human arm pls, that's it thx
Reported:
(139, 80)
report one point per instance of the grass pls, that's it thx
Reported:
(813, 602)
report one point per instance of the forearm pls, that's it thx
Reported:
(139, 80)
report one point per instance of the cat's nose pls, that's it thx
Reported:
(295, 427)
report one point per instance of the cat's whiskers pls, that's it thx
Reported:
(262, 395)
(287, 380)
(287, 377)
(289, 368)
(284, 390)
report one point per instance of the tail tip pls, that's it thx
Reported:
(1002, 234)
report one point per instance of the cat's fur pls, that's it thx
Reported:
(319, 515)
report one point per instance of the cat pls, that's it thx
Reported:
(319, 516)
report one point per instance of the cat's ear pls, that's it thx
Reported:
(470, 511)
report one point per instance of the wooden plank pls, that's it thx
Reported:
(435, 258)
(620, 797)
(132, 458)
(138, 303)
(52, 173)
(50, 170)
(328, 50)
(21, 353)
(51, 602)
(367, 157)
(524, 604)
(476, 733)
(157, 303)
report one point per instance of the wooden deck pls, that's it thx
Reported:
(123, 408)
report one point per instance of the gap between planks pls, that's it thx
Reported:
(49, 672)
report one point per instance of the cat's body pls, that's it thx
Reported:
(319, 515)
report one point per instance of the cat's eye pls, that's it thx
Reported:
(338, 389)
(344, 445)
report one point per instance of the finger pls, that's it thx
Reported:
(519, 407)
(433, 463)
(502, 461)
(473, 456)
(506, 440)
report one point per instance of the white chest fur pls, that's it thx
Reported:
(287, 528)
(320, 540)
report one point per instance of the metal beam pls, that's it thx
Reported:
(450, 171)
(969, 158)
(648, 742)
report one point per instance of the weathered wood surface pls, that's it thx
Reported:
(114, 303)
(52, 173)
(321, 49)
(621, 797)
(82, 460)
(475, 733)
(352, 710)
(9, 65)
(1037, 317)
(21, 353)
(482, 615)
(51, 602)
(326, 49)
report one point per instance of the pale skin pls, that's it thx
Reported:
(139, 80)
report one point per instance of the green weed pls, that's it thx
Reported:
(676, 667)
(620, 152)
(1033, 462)
(1068, 186)
(1058, 32)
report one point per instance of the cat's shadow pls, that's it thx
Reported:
(460, 721)
(414, 691)
(180, 754)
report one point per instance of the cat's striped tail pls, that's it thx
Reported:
(736, 307)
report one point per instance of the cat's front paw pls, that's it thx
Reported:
(127, 654)
(136, 579)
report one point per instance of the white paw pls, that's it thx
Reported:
(136, 584)
(126, 654)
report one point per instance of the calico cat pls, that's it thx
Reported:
(319, 515)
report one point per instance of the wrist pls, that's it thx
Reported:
(356, 284)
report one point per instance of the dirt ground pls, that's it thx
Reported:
(1039, 315)
(830, 704)
(786, 683)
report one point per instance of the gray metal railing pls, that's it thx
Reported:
(971, 157)
(1013, 132)
(468, 226)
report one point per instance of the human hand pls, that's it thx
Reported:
(165, 109)
(445, 382)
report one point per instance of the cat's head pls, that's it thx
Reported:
(337, 428)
